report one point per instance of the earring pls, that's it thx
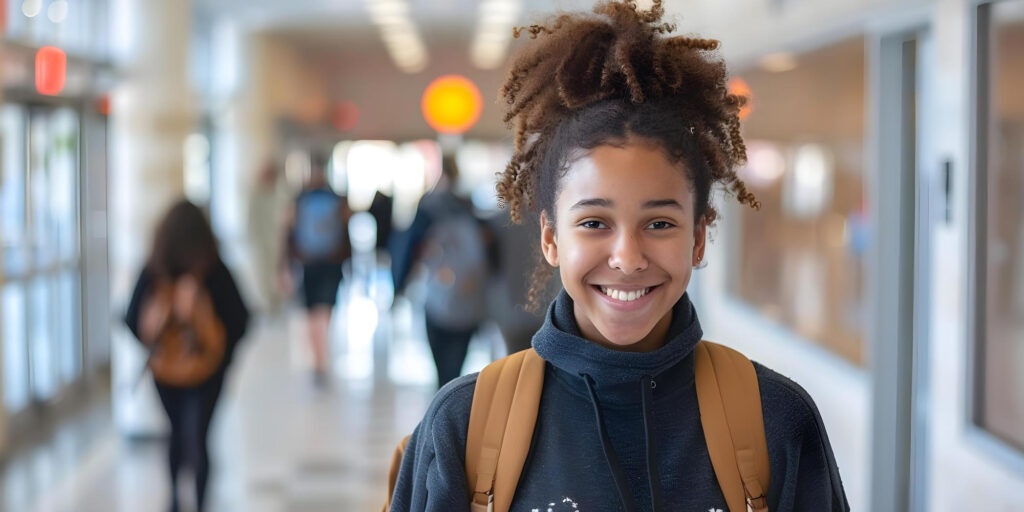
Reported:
(701, 263)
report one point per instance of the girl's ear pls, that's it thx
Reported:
(699, 241)
(548, 240)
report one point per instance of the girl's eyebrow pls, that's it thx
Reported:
(607, 203)
(658, 203)
(586, 203)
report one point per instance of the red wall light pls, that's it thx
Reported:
(51, 70)
(345, 116)
(103, 104)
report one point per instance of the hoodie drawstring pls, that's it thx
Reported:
(647, 392)
(647, 400)
(609, 452)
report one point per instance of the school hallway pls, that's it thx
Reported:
(278, 443)
(883, 271)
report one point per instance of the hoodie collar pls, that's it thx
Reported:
(560, 343)
(626, 378)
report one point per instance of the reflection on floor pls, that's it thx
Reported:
(278, 444)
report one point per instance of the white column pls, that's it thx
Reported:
(152, 115)
(248, 212)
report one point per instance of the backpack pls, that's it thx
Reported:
(455, 256)
(319, 233)
(504, 412)
(186, 353)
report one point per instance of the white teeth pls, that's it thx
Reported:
(624, 296)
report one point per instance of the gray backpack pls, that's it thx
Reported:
(455, 256)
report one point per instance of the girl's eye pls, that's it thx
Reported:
(661, 224)
(593, 224)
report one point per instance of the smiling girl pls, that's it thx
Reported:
(621, 131)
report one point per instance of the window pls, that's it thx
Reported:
(800, 260)
(999, 384)
(12, 189)
(40, 286)
(14, 332)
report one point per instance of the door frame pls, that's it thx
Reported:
(900, 270)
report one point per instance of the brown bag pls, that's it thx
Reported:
(729, 399)
(504, 412)
(186, 353)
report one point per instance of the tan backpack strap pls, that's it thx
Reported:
(396, 465)
(730, 412)
(505, 404)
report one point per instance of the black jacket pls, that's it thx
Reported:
(592, 396)
(227, 302)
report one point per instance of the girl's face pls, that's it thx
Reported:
(624, 243)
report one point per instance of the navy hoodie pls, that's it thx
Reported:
(595, 448)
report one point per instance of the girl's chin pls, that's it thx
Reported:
(624, 340)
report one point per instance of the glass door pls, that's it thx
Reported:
(41, 266)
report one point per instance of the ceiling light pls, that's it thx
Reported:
(384, 20)
(388, 8)
(58, 11)
(402, 29)
(31, 8)
(492, 36)
(778, 62)
(399, 33)
(499, 11)
(494, 29)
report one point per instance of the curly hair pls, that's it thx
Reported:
(594, 79)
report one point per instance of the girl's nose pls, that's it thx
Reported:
(627, 255)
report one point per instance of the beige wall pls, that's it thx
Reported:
(389, 100)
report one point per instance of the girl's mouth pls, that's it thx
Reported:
(625, 297)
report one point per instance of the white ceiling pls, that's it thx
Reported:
(324, 23)
(340, 37)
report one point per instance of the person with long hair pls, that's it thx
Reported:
(621, 131)
(188, 313)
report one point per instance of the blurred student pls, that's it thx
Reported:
(270, 201)
(508, 290)
(453, 246)
(318, 240)
(187, 312)
(382, 208)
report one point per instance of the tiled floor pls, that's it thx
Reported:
(278, 443)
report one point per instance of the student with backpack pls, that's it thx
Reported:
(318, 240)
(188, 314)
(621, 131)
(453, 245)
(515, 247)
